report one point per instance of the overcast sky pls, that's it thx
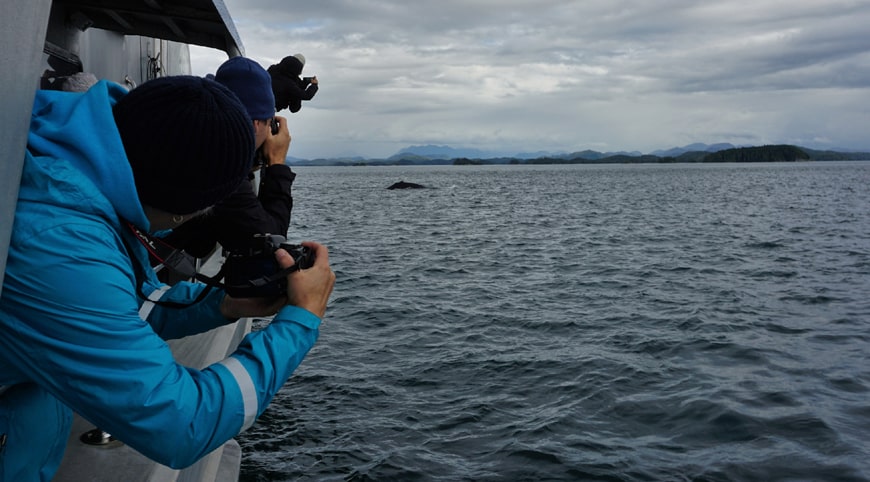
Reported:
(555, 75)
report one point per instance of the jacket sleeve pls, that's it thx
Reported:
(72, 326)
(294, 104)
(309, 92)
(242, 215)
(187, 317)
(292, 92)
(276, 196)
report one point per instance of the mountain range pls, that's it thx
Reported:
(443, 154)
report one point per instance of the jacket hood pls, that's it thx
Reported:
(78, 130)
(289, 66)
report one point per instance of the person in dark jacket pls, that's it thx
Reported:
(83, 317)
(234, 221)
(288, 85)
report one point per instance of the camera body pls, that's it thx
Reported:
(274, 125)
(247, 271)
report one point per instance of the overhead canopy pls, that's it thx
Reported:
(196, 22)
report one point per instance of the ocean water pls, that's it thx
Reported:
(596, 322)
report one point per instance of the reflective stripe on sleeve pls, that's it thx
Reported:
(148, 305)
(246, 385)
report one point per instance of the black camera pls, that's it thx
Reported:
(274, 125)
(252, 272)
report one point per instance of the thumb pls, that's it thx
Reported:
(283, 258)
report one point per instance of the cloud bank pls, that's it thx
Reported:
(518, 76)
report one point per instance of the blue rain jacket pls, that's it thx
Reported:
(74, 335)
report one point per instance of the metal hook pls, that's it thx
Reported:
(97, 437)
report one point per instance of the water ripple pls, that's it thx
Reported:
(607, 323)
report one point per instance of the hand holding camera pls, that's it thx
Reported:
(275, 147)
(273, 273)
(310, 288)
(254, 271)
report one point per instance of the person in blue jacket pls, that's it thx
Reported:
(82, 316)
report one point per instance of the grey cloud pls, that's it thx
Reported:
(628, 74)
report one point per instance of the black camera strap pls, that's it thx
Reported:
(176, 260)
(184, 264)
(173, 259)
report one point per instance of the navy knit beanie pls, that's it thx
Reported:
(251, 84)
(189, 141)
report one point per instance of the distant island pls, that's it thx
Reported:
(444, 155)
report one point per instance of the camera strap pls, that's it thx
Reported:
(184, 264)
(173, 259)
